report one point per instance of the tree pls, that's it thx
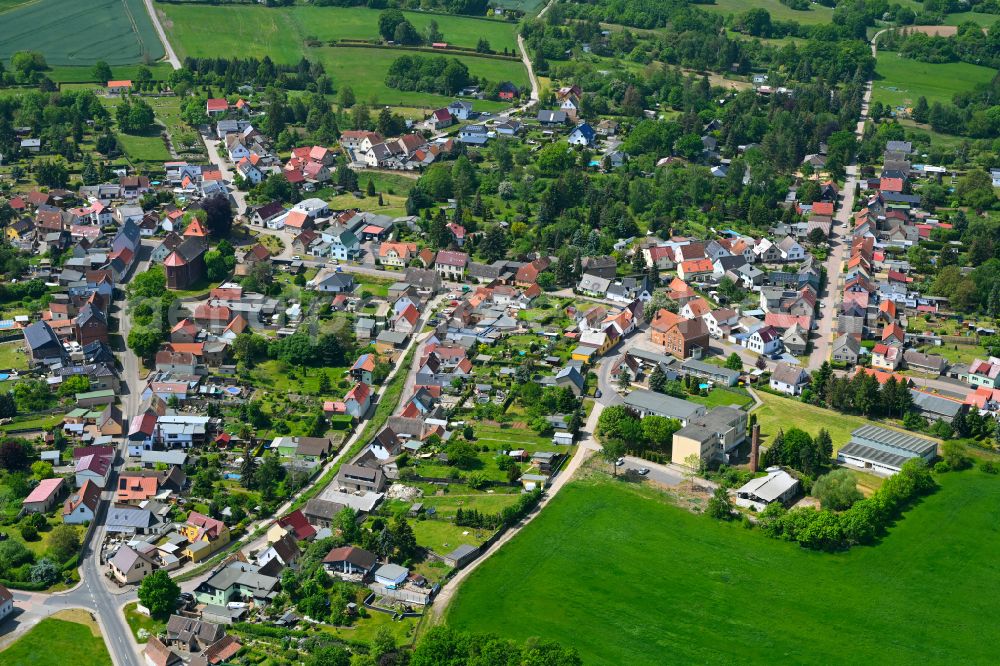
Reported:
(52, 173)
(158, 592)
(387, 22)
(248, 470)
(13, 455)
(734, 362)
(658, 380)
(720, 506)
(658, 431)
(144, 342)
(955, 455)
(611, 451)
(218, 216)
(837, 490)
(101, 72)
(45, 572)
(329, 655)
(404, 539)
(64, 542)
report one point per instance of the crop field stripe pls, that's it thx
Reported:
(80, 32)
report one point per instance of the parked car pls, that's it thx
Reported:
(619, 462)
(642, 471)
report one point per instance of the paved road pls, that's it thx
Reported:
(172, 58)
(840, 241)
(667, 475)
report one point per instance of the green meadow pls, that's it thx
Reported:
(200, 30)
(902, 81)
(779, 12)
(615, 570)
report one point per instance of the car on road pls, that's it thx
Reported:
(598, 393)
(296, 257)
(642, 471)
(619, 462)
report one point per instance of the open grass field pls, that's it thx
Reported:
(204, 31)
(364, 70)
(443, 537)
(778, 11)
(778, 412)
(54, 642)
(12, 356)
(393, 205)
(81, 32)
(901, 81)
(285, 29)
(617, 572)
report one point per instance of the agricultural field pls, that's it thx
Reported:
(901, 81)
(615, 570)
(778, 11)
(74, 632)
(81, 32)
(194, 29)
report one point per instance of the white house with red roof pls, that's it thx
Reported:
(451, 265)
(440, 119)
(358, 400)
(216, 106)
(95, 468)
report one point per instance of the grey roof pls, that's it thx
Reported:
(126, 557)
(789, 374)
(165, 457)
(127, 518)
(462, 551)
(771, 487)
(696, 366)
(913, 357)
(40, 334)
(391, 571)
(928, 402)
(664, 405)
(892, 441)
(856, 450)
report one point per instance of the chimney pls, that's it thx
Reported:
(754, 447)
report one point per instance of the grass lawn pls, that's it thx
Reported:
(958, 18)
(373, 285)
(119, 32)
(40, 545)
(364, 629)
(12, 356)
(447, 505)
(275, 376)
(901, 81)
(779, 12)
(627, 578)
(137, 621)
(520, 438)
(956, 354)
(443, 537)
(54, 642)
(393, 205)
(282, 31)
(720, 397)
(778, 412)
(44, 422)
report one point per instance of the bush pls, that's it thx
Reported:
(989, 467)
(837, 490)
(940, 467)
(28, 532)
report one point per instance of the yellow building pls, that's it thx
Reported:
(206, 535)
